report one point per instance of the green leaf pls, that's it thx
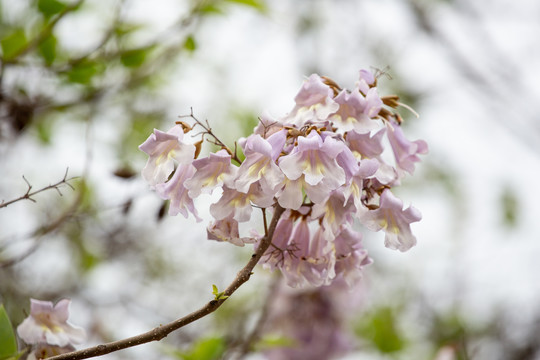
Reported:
(274, 341)
(47, 49)
(83, 72)
(135, 57)
(8, 342)
(214, 290)
(381, 328)
(190, 44)
(211, 348)
(50, 7)
(12, 44)
(256, 4)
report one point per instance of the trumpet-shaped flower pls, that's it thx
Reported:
(316, 160)
(212, 171)
(405, 151)
(237, 204)
(176, 191)
(260, 162)
(356, 111)
(227, 230)
(395, 221)
(164, 148)
(366, 81)
(314, 102)
(350, 255)
(47, 324)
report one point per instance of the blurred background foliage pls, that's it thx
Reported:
(83, 83)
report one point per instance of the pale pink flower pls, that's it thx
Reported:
(314, 102)
(334, 212)
(316, 160)
(356, 111)
(291, 194)
(311, 259)
(366, 81)
(351, 257)
(395, 221)
(47, 324)
(260, 162)
(212, 171)
(227, 230)
(405, 151)
(237, 204)
(176, 191)
(164, 148)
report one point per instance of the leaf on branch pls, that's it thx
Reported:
(135, 57)
(12, 44)
(47, 49)
(190, 44)
(218, 295)
(50, 7)
(8, 342)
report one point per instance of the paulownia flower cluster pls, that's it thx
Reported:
(327, 163)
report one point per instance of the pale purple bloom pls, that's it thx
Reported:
(311, 259)
(278, 253)
(335, 212)
(350, 255)
(164, 148)
(227, 230)
(366, 169)
(314, 102)
(356, 111)
(47, 324)
(176, 191)
(313, 320)
(405, 151)
(267, 125)
(237, 204)
(316, 160)
(291, 194)
(259, 164)
(212, 171)
(366, 145)
(366, 81)
(395, 221)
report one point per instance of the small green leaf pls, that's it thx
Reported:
(8, 342)
(190, 44)
(135, 57)
(214, 290)
(211, 348)
(256, 4)
(47, 49)
(381, 328)
(83, 72)
(13, 43)
(50, 7)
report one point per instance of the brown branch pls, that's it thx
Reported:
(162, 331)
(28, 195)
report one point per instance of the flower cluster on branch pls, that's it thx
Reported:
(325, 163)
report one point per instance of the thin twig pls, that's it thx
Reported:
(28, 195)
(162, 331)
(207, 130)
